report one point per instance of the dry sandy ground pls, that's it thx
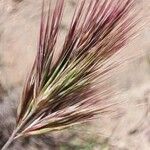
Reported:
(19, 26)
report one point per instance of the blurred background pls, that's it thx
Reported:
(129, 129)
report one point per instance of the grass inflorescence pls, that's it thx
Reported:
(73, 88)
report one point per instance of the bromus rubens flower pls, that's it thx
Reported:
(73, 88)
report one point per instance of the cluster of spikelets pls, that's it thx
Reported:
(72, 89)
(61, 94)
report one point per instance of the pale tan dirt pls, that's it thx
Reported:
(19, 26)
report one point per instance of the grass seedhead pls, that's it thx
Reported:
(74, 88)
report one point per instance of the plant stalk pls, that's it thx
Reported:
(14, 134)
(10, 140)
